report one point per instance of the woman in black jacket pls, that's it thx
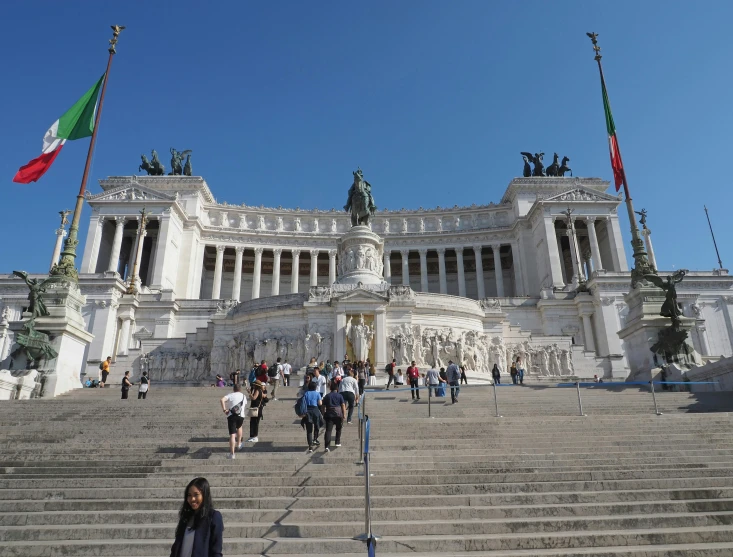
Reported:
(200, 528)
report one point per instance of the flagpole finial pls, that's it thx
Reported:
(113, 41)
(594, 39)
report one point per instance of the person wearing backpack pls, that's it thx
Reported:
(233, 406)
(274, 372)
(335, 407)
(312, 421)
(252, 377)
(389, 368)
(104, 368)
(142, 390)
(258, 399)
(286, 373)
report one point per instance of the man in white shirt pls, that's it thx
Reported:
(286, 374)
(275, 381)
(349, 389)
(234, 405)
(432, 379)
(320, 381)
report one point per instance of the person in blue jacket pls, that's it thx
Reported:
(200, 527)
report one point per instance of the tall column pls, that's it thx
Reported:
(649, 248)
(314, 267)
(295, 273)
(590, 346)
(60, 233)
(276, 253)
(441, 271)
(138, 258)
(517, 266)
(595, 251)
(387, 266)
(577, 271)
(423, 269)
(257, 274)
(461, 272)
(237, 278)
(332, 268)
(167, 261)
(124, 340)
(553, 253)
(91, 249)
(405, 266)
(496, 248)
(618, 256)
(479, 272)
(702, 335)
(114, 256)
(216, 289)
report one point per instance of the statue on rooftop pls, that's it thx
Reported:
(360, 201)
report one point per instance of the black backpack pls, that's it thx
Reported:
(388, 368)
(101, 364)
(272, 371)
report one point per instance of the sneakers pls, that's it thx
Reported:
(310, 450)
(239, 447)
(337, 445)
(274, 399)
(252, 440)
(231, 456)
(349, 422)
(328, 450)
(316, 442)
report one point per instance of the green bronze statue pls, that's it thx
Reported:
(360, 201)
(36, 307)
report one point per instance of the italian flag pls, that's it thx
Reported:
(619, 176)
(77, 122)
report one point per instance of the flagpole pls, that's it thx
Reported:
(641, 259)
(720, 263)
(66, 267)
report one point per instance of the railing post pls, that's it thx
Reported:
(654, 397)
(580, 402)
(496, 402)
(431, 392)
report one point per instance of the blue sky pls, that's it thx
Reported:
(280, 101)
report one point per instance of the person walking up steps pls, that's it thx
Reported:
(200, 528)
(286, 374)
(432, 380)
(389, 368)
(454, 377)
(313, 420)
(126, 384)
(233, 406)
(275, 373)
(350, 391)
(142, 390)
(335, 409)
(413, 374)
(258, 399)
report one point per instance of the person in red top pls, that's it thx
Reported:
(262, 376)
(413, 374)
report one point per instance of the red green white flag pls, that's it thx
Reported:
(619, 176)
(77, 122)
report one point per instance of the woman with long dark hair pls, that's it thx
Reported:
(200, 528)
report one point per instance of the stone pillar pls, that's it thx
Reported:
(496, 248)
(649, 248)
(331, 267)
(441, 271)
(114, 256)
(577, 271)
(339, 335)
(423, 269)
(553, 253)
(595, 251)
(257, 275)
(165, 267)
(461, 272)
(405, 267)
(216, 289)
(276, 253)
(138, 258)
(60, 233)
(618, 256)
(479, 272)
(314, 267)
(91, 249)
(517, 266)
(380, 338)
(124, 340)
(703, 336)
(295, 273)
(387, 269)
(237, 279)
(590, 345)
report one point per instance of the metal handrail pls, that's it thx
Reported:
(368, 536)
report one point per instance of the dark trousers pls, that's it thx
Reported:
(125, 392)
(414, 384)
(286, 380)
(312, 432)
(497, 379)
(330, 422)
(454, 391)
(362, 382)
(514, 378)
(390, 380)
(350, 401)
(142, 395)
(254, 427)
(464, 379)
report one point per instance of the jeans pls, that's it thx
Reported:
(362, 382)
(431, 389)
(254, 426)
(414, 384)
(330, 422)
(274, 382)
(454, 391)
(520, 375)
(350, 401)
(390, 380)
(286, 380)
(311, 433)
(497, 379)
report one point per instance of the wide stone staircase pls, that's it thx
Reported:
(88, 474)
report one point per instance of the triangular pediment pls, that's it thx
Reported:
(131, 192)
(360, 294)
(581, 193)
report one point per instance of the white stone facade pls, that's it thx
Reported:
(223, 285)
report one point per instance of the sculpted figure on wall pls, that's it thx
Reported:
(361, 336)
(190, 363)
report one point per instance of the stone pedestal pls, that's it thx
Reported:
(17, 384)
(642, 328)
(361, 253)
(68, 336)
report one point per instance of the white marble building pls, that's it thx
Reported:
(225, 284)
